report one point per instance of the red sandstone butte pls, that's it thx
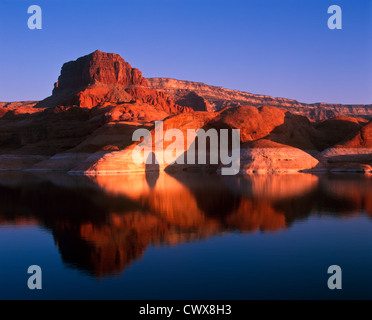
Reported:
(101, 78)
(99, 100)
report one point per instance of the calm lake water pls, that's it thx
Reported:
(185, 236)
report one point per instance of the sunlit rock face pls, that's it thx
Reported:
(101, 78)
(98, 101)
(268, 156)
(106, 68)
(212, 98)
(272, 140)
(267, 135)
(267, 122)
(125, 161)
(86, 126)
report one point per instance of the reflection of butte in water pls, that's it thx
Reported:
(101, 224)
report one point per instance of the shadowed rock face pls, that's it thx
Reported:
(363, 138)
(194, 101)
(353, 153)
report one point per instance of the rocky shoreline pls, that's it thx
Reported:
(86, 125)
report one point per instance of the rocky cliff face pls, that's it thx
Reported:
(105, 68)
(354, 153)
(103, 78)
(86, 125)
(363, 139)
(9, 109)
(91, 93)
(216, 98)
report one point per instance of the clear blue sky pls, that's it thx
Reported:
(281, 48)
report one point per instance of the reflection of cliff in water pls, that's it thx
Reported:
(101, 224)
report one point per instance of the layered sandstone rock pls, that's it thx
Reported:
(106, 68)
(9, 110)
(267, 122)
(100, 92)
(264, 156)
(122, 161)
(362, 140)
(86, 126)
(353, 154)
(218, 98)
(100, 78)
